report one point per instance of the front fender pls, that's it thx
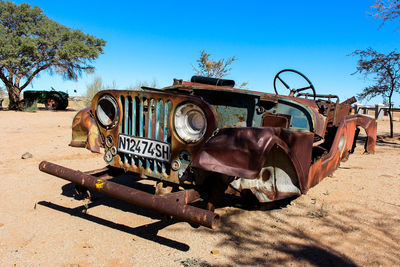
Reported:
(241, 151)
(85, 132)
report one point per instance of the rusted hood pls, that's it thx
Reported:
(241, 151)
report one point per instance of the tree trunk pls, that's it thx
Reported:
(14, 97)
(390, 117)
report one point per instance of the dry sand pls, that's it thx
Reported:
(351, 218)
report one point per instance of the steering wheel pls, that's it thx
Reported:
(294, 91)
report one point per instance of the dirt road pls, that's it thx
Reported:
(351, 218)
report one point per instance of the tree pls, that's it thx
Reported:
(30, 43)
(140, 84)
(386, 10)
(385, 72)
(211, 68)
(95, 87)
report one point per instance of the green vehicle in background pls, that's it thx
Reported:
(53, 100)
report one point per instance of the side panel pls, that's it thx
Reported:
(341, 147)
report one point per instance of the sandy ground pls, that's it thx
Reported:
(351, 218)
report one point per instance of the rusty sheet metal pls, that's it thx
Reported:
(304, 112)
(241, 151)
(276, 180)
(85, 132)
(342, 110)
(340, 148)
(349, 101)
(318, 122)
(233, 109)
(160, 204)
(189, 87)
(276, 120)
(140, 109)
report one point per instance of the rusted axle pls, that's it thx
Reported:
(159, 204)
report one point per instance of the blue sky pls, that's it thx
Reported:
(160, 40)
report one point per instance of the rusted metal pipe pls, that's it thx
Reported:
(155, 203)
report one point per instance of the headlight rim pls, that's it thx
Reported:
(116, 107)
(203, 114)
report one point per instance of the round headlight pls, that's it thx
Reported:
(190, 123)
(107, 111)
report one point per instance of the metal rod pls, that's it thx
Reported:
(135, 161)
(123, 128)
(152, 202)
(157, 130)
(165, 131)
(149, 124)
(141, 122)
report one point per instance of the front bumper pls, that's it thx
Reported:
(173, 204)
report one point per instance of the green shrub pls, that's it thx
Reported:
(93, 88)
(31, 107)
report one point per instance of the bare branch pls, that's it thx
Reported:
(386, 10)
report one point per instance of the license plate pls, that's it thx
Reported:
(144, 147)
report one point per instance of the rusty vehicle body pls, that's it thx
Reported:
(210, 138)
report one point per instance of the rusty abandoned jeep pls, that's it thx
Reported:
(207, 138)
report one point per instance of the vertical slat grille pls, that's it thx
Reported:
(145, 117)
